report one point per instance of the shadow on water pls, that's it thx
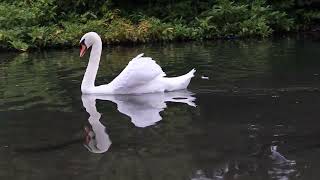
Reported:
(256, 115)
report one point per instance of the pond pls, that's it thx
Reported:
(251, 112)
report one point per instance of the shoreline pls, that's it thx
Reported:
(313, 34)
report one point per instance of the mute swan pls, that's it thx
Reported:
(142, 74)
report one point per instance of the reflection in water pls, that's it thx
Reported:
(96, 138)
(144, 110)
(200, 175)
(278, 168)
(263, 83)
(272, 163)
(282, 168)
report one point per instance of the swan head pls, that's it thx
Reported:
(87, 41)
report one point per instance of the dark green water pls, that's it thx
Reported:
(256, 117)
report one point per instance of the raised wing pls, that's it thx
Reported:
(139, 71)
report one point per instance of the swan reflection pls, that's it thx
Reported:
(96, 138)
(282, 168)
(144, 110)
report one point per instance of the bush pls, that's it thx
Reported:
(27, 24)
(227, 18)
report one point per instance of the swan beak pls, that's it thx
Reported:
(83, 50)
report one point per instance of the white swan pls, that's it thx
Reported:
(142, 74)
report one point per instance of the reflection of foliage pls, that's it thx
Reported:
(28, 82)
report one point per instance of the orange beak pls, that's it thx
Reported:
(83, 50)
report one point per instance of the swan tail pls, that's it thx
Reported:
(187, 78)
(186, 100)
(180, 82)
(191, 73)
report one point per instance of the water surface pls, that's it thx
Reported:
(254, 116)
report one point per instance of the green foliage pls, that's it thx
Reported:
(283, 4)
(227, 18)
(149, 29)
(307, 17)
(96, 7)
(20, 20)
(27, 24)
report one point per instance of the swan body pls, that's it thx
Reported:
(141, 75)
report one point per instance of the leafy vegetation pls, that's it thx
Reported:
(27, 24)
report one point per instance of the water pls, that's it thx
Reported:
(251, 112)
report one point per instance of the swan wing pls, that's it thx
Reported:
(140, 70)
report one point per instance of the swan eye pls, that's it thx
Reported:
(82, 42)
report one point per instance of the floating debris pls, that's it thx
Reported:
(204, 77)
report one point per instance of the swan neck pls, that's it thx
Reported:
(88, 81)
